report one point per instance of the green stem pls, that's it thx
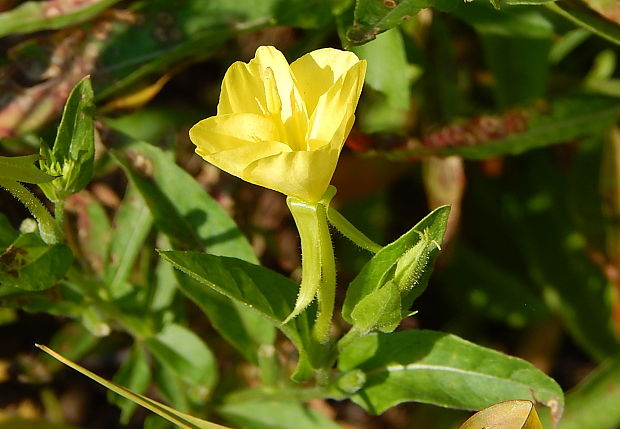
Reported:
(588, 19)
(349, 338)
(268, 365)
(283, 393)
(47, 226)
(351, 232)
(323, 377)
(59, 213)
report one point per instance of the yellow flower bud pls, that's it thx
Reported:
(281, 126)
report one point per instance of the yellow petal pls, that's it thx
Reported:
(334, 112)
(224, 132)
(232, 142)
(242, 91)
(237, 161)
(247, 88)
(301, 174)
(317, 71)
(268, 57)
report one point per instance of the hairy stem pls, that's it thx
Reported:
(351, 232)
(47, 225)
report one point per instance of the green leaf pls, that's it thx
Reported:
(567, 43)
(568, 118)
(387, 67)
(187, 356)
(266, 292)
(512, 22)
(519, 65)
(550, 224)
(516, 43)
(271, 414)
(444, 99)
(155, 422)
(8, 234)
(135, 374)
(93, 230)
(180, 208)
(72, 157)
(191, 219)
(33, 16)
(30, 264)
(442, 369)
(538, 222)
(60, 301)
(74, 340)
(171, 388)
(163, 289)
(373, 17)
(593, 404)
(22, 169)
(382, 293)
(507, 415)
(132, 224)
(185, 421)
(193, 32)
(389, 76)
(230, 320)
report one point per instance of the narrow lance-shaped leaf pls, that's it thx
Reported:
(270, 294)
(187, 356)
(136, 375)
(183, 420)
(191, 219)
(180, 208)
(132, 224)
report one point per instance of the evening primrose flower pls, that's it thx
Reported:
(281, 126)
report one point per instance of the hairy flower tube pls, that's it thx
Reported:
(281, 126)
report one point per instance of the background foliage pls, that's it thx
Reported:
(505, 110)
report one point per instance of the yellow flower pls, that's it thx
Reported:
(281, 126)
